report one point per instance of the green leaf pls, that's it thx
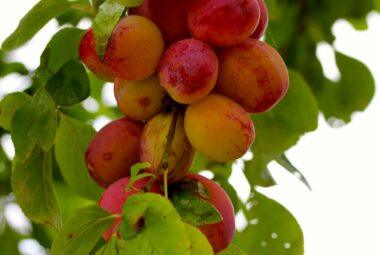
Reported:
(285, 163)
(130, 3)
(281, 128)
(35, 19)
(272, 229)
(71, 143)
(257, 172)
(152, 226)
(73, 17)
(82, 231)
(7, 68)
(70, 85)
(108, 16)
(62, 47)
(232, 250)
(199, 244)
(136, 175)
(34, 124)
(352, 93)
(32, 185)
(188, 198)
(113, 247)
(9, 240)
(9, 105)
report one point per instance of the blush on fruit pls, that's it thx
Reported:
(113, 150)
(169, 15)
(140, 100)
(263, 22)
(153, 141)
(219, 234)
(253, 74)
(135, 48)
(223, 22)
(90, 58)
(114, 197)
(188, 70)
(219, 128)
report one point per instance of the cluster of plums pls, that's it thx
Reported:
(203, 57)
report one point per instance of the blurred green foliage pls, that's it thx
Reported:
(295, 29)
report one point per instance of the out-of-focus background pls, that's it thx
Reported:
(342, 163)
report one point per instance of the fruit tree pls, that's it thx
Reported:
(198, 84)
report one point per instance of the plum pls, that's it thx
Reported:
(113, 150)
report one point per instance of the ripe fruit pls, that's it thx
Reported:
(113, 150)
(263, 22)
(91, 59)
(153, 142)
(253, 74)
(140, 100)
(219, 128)
(169, 15)
(188, 70)
(114, 197)
(219, 234)
(135, 48)
(223, 22)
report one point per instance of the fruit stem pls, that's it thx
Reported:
(164, 164)
(166, 183)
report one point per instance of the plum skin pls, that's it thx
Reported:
(169, 15)
(219, 128)
(113, 150)
(223, 22)
(253, 74)
(114, 197)
(153, 141)
(188, 70)
(220, 234)
(90, 58)
(135, 48)
(263, 22)
(140, 100)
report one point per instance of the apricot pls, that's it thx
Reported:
(114, 197)
(142, 99)
(135, 48)
(223, 22)
(90, 58)
(218, 234)
(253, 74)
(113, 150)
(153, 141)
(263, 22)
(169, 15)
(188, 70)
(219, 128)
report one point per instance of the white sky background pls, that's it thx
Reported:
(341, 215)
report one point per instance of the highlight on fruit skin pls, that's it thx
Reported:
(188, 70)
(169, 15)
(140, 100)
(223, 22)
(253, 74)
(113, 150)
(135, 48)
(219, 128)
(90, 58)
(153, 142)
(263, 22)
(220, 234)
(114, 197)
